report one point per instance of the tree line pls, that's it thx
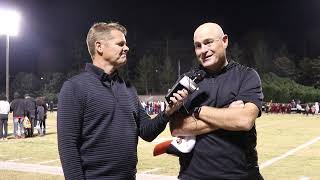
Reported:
(285, 76)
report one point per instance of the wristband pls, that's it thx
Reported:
(196, 112)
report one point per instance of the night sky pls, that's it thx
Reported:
(50, 27)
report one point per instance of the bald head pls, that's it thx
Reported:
(214, 29)
(210, 45)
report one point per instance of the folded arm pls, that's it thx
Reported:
(233, 119)
(181, 125)
(237, 117)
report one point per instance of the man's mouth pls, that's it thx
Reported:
(206, 58)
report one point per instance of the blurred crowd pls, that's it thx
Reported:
(29, 116)
(153, 107)
(292, 107)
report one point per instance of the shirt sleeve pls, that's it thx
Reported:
(250, 89)
(149, 128)
(69, 131)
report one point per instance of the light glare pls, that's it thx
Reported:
(9, 22)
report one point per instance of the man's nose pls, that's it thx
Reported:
(126, 48)
(204, 49)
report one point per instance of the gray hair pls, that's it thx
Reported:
(98, 31)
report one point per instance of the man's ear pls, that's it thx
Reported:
(99, 47)
(225, 40)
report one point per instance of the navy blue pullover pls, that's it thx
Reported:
(99, 120)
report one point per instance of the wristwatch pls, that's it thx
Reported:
(196, 112)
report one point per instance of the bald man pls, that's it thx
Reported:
(225, 108)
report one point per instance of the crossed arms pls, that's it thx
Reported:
(239, 116)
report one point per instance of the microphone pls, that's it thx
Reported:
(189, 81)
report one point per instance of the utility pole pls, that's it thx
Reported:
(7, 68)
(178, 68)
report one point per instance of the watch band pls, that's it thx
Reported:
(196, 112)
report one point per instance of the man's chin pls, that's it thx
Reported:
(210, 64)
(207, 63)
(122, 63)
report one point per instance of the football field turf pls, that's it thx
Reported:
(288, 148)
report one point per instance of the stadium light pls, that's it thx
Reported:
(9, 26)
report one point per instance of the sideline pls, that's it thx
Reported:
(14, 160)
(290, 152)
(56, 170)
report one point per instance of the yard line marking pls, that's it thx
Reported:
(55, 170)
(150, 171)
(290, 152)
(160, 140)
(13, 160)
(304, 178)
(46, 162)
(155, 177)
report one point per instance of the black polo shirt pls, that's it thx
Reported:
(224, 154)
(99, 120)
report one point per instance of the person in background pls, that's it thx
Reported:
(100, 116)
(30, 110)
(51, 105)
(41, 116)
(4, 112)
(18, 108)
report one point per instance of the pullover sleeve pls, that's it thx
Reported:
(70, 116)
(149, 128)
(250, 90)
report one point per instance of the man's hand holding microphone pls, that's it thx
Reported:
(176, 100)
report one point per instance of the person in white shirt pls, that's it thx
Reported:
(4, 111)
(316, 104)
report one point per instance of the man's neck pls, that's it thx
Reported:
(106, 66)
(219, 68)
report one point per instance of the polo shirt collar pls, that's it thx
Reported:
(221, 71)
(101, 74)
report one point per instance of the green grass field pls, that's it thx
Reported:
(277, 135)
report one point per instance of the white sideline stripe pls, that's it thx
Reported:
(151, 170)
(290, 152)
(160, 140)
(56, 170)
(13, 160)
(46, 162)
(304, 178)
(34, 168)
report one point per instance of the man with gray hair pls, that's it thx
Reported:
(100, 116)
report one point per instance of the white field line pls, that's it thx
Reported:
(160, 140)
(46, 162)
(304, 178)
(150, 171)
(155, 177)
(13, 160)
(15, 141)
(290, 152)
(33, 168)
(56, 170)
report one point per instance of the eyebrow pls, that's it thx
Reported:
(204, 41)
